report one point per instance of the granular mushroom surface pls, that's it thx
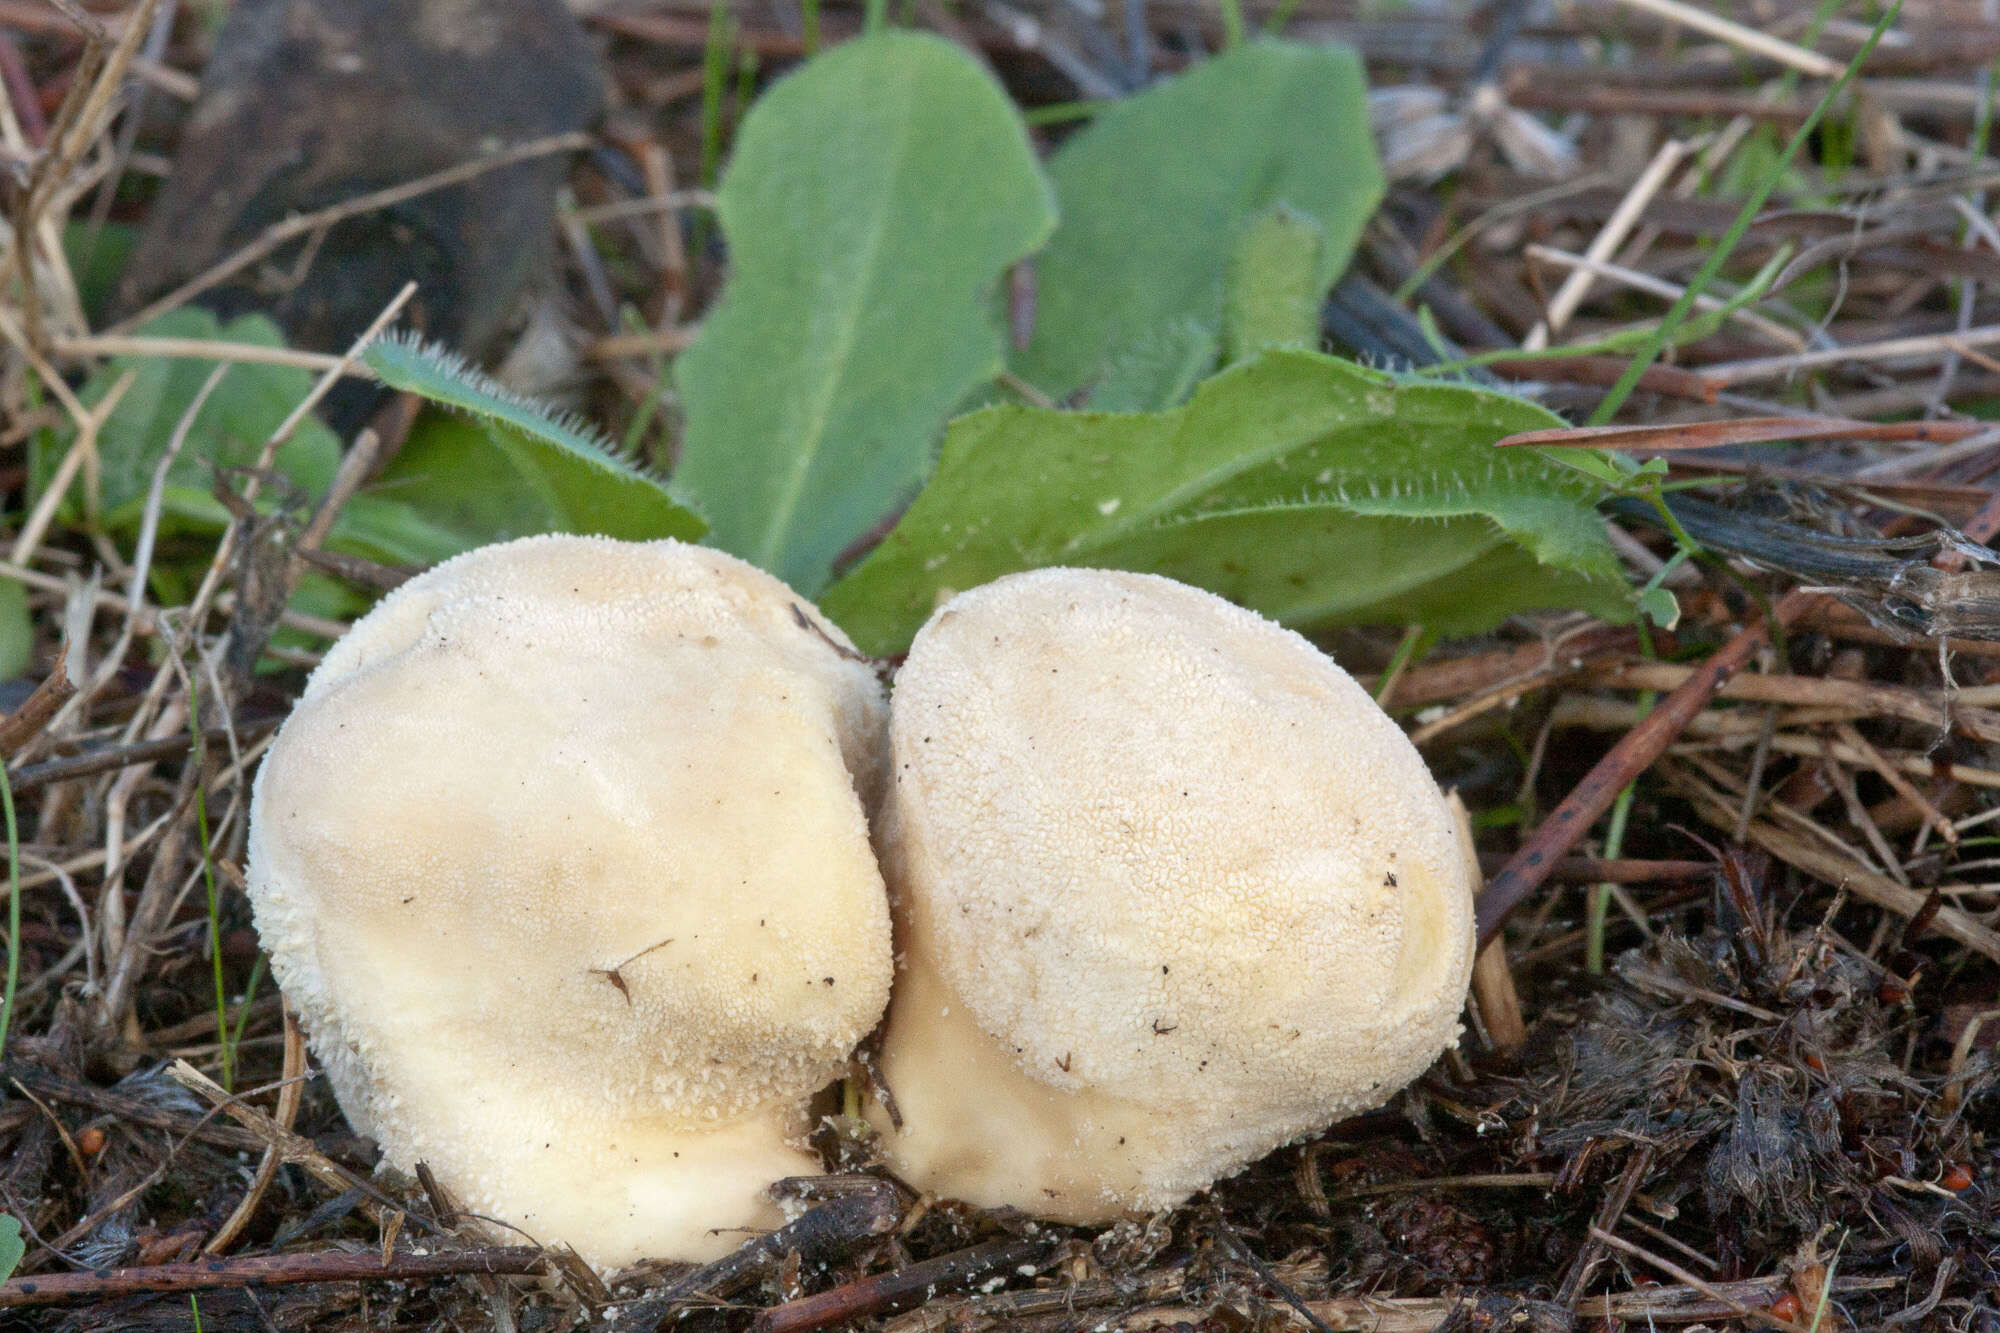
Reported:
(562, 862)
(1170, 891)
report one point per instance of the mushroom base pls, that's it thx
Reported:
(976, 1127)
(629, 1191)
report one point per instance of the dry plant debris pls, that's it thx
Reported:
(1755, 1084)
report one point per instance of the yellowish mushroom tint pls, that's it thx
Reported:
(562, 863)
(1170, 892)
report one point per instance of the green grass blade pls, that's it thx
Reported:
(1650, 351)
(214, 932)
(13, 908)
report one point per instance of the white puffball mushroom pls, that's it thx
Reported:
(560, 859)
(1170, 892)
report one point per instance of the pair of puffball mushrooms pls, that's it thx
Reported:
(564, 860)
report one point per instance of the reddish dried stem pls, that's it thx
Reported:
(267, 1270)
(911, 1285)
(37, 710)
(1626, 760)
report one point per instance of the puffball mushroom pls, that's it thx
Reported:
(1170, 891)
(561, 861)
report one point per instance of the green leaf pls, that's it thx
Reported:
(507, 469)
(1274, 288)
(97, 256)
(12, 1247)
(1660, 606)
(514, 469)
(1307, 487)
(1156, 192)
(1159, 369)
(17, 631)
(459, 483)
(246, 406)
(443, 377)
(875, 199)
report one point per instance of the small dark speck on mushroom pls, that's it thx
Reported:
(1389, 880)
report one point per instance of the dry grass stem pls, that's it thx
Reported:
(1742, 38)
(1588, 267)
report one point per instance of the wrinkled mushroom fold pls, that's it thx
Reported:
(1170, 892)
(562, 862)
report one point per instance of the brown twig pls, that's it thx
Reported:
(26, 722)
(106, 760)
(1435, 682)
(1858, 696)
(1625, 761)
(1642, 1307)
(910, 1285)
(1604, 371)
(1494, 996)
(864, 1208)
(269, 1270)
(1622, 870)
(294, 1149)
(136, 1110)
(1683, 1276)
(1004, 1308)
(1616, 1200)
(1739, 431)
(1815, 859)
(267, 1169)
(1744, 725)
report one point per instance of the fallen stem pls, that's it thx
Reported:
(907, 1286)
(1625, 761)
(268, 1270)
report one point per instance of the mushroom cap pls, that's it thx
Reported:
(1185, 887)
(561, 861)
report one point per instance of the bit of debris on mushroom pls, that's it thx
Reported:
(1170, 891)
(562, 863)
